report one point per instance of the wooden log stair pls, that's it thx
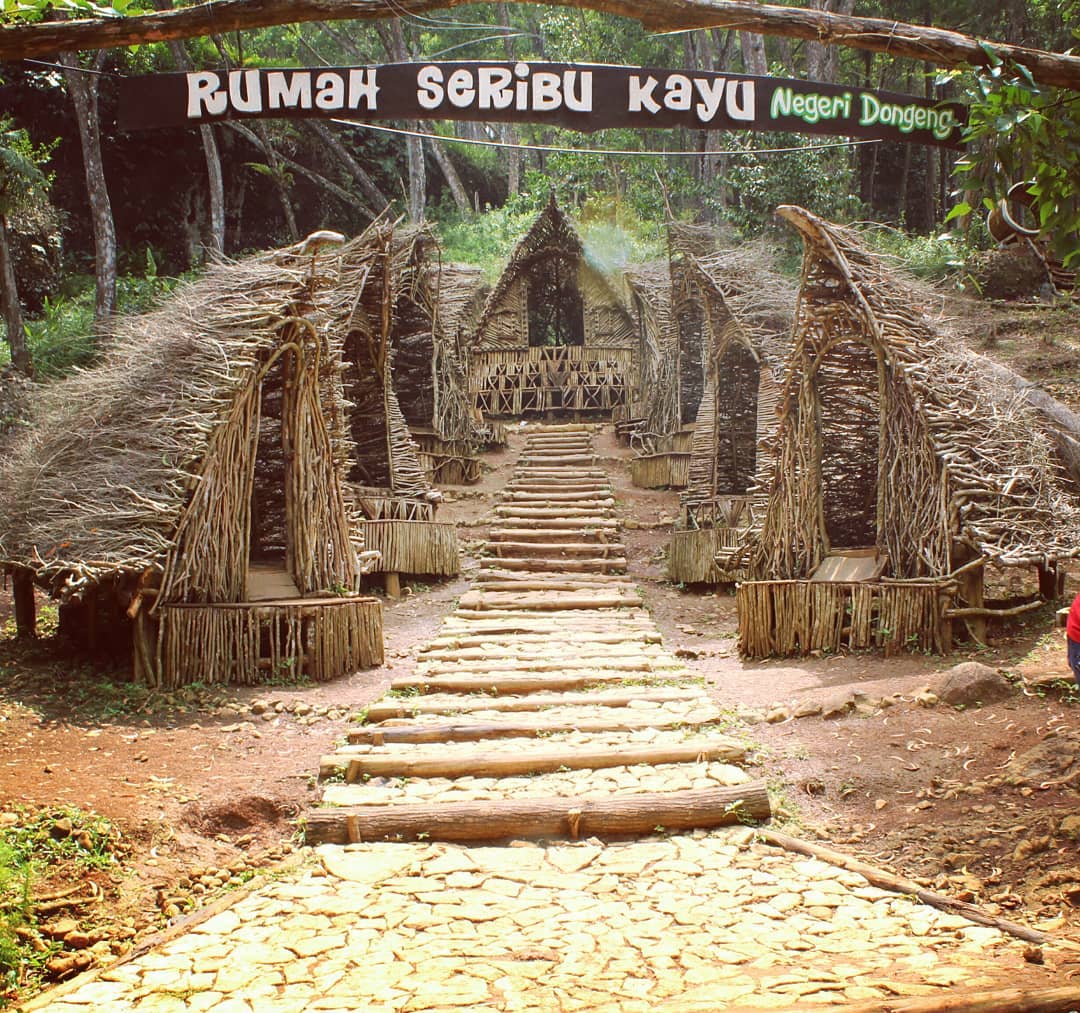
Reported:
(546, 706)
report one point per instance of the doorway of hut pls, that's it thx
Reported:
(849, 407)
(555, 316)
(268, 529)
(737, 377)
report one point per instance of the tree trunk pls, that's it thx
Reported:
(939, 46)
(753, 53)
(509, 132)
(261, 137)
(394, 41)
(83, 88)
(337, 147)
(12, 310)
(450, 174)
(214, 180)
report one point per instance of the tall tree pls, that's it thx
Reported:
(82, 84)
(214, 180)
(20, 180)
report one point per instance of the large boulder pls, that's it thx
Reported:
(971, 684)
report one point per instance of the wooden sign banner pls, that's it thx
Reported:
(584, 97)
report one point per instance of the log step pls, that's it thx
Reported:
(555, 817)
(547, 550)
(391, 708)
(496, 638)
(546, 601)
(527, 759)
(617, 564)
(548, 536)
(427, 732)
(539, 682)
(510, 667)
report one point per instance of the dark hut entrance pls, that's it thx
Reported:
(268, 533)
(849, 402)
(738, 379)
(556, 310)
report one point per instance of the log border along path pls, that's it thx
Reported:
(547, 716)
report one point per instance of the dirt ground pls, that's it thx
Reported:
(202, 788)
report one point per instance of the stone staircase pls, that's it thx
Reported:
(546, 706)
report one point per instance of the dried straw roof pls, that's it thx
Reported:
(757, 298)
(98, 481)
(1003, 480)
(553, 231)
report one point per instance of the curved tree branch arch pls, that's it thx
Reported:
(934, 45)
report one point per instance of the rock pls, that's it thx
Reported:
(808, 709)
(971, 684)
(778, 714)
(839, 704)
(1070, 827)
(259, 706)
(60, 928)
(926, 698)
(303, 709)
(61, 828)
(77, 940)
(1056, 758)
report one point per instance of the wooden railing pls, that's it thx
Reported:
(574, 378)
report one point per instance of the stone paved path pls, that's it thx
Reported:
(545, 687)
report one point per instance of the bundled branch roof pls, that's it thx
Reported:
(649, 287)
(377, 273)
(959, 458)
(746, 308)
(553, 233)
(98, 482)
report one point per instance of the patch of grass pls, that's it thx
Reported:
(58, 841)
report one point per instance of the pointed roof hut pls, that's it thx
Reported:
(554, 334)
(377, 290)
(746, 309)
(899, 470)
(192, 483)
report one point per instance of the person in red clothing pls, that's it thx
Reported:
(1072, 635)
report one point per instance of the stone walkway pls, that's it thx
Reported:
(547, 708)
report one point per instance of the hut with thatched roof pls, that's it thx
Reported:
(654, 429)
(188, 491)
(553, 336)
(900, 472)
(377, 290)
(430, 323)
(746, 309)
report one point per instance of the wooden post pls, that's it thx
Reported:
(970, 592)
(393, 585)
(1051, 581)
(22, 583)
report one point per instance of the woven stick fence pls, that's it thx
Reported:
(797, 617)
(253, 642)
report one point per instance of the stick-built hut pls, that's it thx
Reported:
(746, 310)
(553, 336)
(432, 316)
(900, 470)
(188, 491)
(392, 499)
(654, 427)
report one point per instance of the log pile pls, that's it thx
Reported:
(543, 674)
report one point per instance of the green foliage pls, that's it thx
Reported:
(1021, 131)
(62, 337)
(817, 180)
(935, 258)
(484, 240)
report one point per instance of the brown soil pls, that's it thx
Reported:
(204, 786)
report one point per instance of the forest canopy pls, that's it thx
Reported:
(161, 201)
